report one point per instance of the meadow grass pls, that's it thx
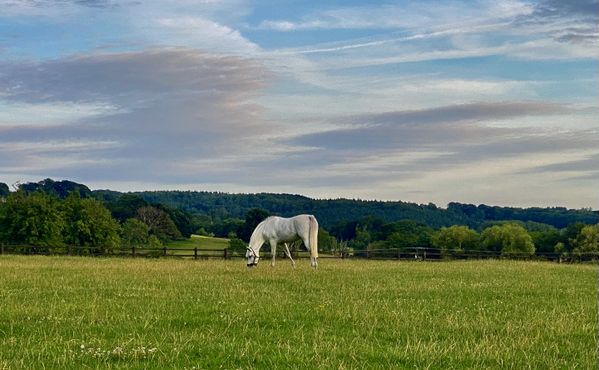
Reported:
(110, 313)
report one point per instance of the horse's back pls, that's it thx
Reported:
(287, 229)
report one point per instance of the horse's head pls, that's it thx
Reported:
(252, 257)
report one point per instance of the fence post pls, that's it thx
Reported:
(165, 251)
(424, 255)
(226, 253)
(1, 248)
(195, 253)
(398, 254)
(133, 251)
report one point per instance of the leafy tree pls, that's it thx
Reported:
(570, 233)
(586, 241)
(402, 240)
(4, 190)
(361, 241)
(126, 206)
(136, 233)
(510, 239)
(546, 240)
(237, 245)
(406, 234)
(345, 230)
(455, 239)
(560, 249)
(159, 223)
(182, 219)
(60, 189)
(88, 223)
(472, 212)
(326, 242)
(33, 219)
(226, 227)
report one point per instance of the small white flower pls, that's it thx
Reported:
(82, 346)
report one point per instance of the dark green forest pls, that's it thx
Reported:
(333, 211)
(330, 212)
(64, 212)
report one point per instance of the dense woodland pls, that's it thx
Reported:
(332, 211)
(58, 213)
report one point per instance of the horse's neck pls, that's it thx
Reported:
(256, 240)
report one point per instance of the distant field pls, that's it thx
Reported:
(109, 313)
(201, 242)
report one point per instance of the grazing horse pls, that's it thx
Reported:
(275, 230)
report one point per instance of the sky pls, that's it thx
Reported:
(476, 101)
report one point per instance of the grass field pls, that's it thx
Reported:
(74, 313)
(201, 242)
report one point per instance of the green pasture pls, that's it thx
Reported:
(206, 245)
(200, 242)
(113, 313)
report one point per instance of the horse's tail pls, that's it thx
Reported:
(313, 235)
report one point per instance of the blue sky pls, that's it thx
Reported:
(427, 101)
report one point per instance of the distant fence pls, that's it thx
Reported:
(410, 254)
(436, 254)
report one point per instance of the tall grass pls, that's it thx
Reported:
(73, 313)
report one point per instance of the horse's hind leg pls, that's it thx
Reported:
(289, 254)
(273, 251)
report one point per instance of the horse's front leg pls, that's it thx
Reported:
(273, 251)
(289, 254)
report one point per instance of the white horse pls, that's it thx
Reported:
(275, 230)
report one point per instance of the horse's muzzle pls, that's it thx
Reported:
(252, 264)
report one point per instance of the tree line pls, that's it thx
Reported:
(508, 238)
(58, 213)
(47, 220)
(329, 212)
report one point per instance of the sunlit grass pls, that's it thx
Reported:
(200, 242)
(70, 312)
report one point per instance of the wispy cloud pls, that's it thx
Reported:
(406, 16)
(425, 127)
(179, 104)
(203, 33)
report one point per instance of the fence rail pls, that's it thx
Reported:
(133, 251)
(414, 253)
(435, 254)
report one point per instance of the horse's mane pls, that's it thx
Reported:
(258, 230)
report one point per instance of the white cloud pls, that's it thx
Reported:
(174, 105)
(405, 16)
(204, 34)
(55, 113)
(34, 147)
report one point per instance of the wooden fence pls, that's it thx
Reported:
(133, 251)
(435, 254)
(413, 254)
